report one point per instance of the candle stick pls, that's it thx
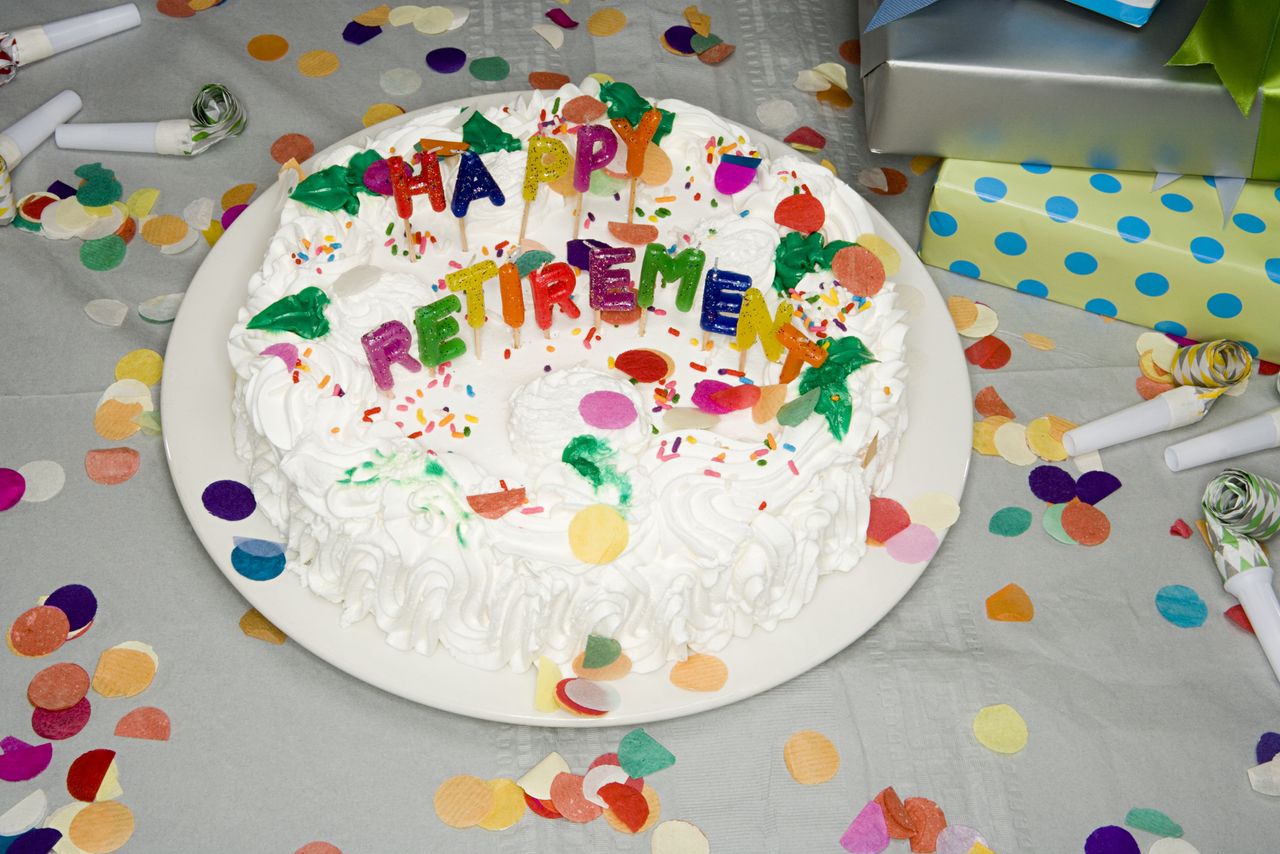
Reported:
(23, 136)
(547, 160)
(512, 300)
(32, 44)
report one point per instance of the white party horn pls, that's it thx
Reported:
(32, 44)
(215, 115)
(1244, 437)
(21, 138)
(1175, 408)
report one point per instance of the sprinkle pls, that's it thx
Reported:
(711, 473)
(529, 511)
(791, 464)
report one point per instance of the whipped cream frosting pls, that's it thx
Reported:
(729, 524)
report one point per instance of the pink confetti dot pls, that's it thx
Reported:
(913, 544)
(607, 410)
(12, 487)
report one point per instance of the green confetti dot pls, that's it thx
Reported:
(1152, 821)
(600, 652)
(640, 755)
(703, 43)
(490, 68)
(100, 186)
(1010, 522)
(1053, 524)
(105, 253)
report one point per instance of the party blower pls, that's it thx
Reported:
(1202, 372)
(21, 138)
(1239, 510)
(32, 44)
(215, 116)
(1260, 433)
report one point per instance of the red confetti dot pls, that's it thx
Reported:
(86, 774)
(318, 848)
(736, 397)
(859, 271)
(297, 146)
(851, 51)
(1180, 529)
(547, 80)
(175, 8)
(1268, 369)
(887, 518)
(646, 366)
(989, 353)
(801, 212)
(1085, 524)
(1237, 615)
(895, 183)
(63, 724)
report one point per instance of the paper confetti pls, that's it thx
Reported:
(1000, 728)
(640, 755)
(146, 722)
(1010, 604)
(20, 761)
(936, 510)
(39, 631)
(810, 757)
(1010, 522)
(606, 22)
(267, 47)
(94, 776)
(1152, 821)
(58, 686)
(678, 837)
(229, 500)
(1111, 839)
(1265, 778)
(13, 486)
(256, 626)
(125, 670)
(108, 312)
(291, 146)
(927, 823)
(59, 725)
(867, 833)
(25, 814)
(1181, 606)
(537, 780)
(1268, 747)
(318, 63)
(700, 672)
(463, 801)
(43, 479)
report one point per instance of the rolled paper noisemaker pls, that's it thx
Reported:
(1213, 364)
(31, 44)
(216, 115)
(1260, 433)
(23, 136)
(1239, 510)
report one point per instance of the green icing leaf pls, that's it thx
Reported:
(484, 136)
(591, 458)
(301, 313)
(831, 380)
(798, 255)
(794, 412)
(626, 103)
(335, 188)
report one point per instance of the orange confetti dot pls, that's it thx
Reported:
(259, 627)
(700, 672)
(811, 758)
(835, 97)
(463, 801)
(238, 195)
(606, 22)
(1010, 604)
(318, 848)
(102, 827)
(164, 230)
(292, 146)
(927, 821)
(111, 466)
(381, 113)
(318, 63)
(547, 79)
(1085, 524)
(267, 47)
(964, 312)
(851, 51)
(375, 17)
(146, 722)
(1149, 388)
(125, 670)
(39, 631)
(58, 687)
(988, 402)
(895, 814)
(888, 182)
(570, 802)
(175, 8)
(114, 419)
(618, 668)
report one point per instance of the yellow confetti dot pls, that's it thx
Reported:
(935, 510)
(600, 77)
(145, 366)
(102, 827)
(1041, 440)
(165, 230)
(508, 805)
(142, 201)
(598, 534)
(125, 670)
(1040, 342)
(811, 757)
(700, 672)
(922, 163)
(318, 63)
(380, 113)
(267, 47)
(1000, 728)
(114, 420)
(259, 627)
(964, 312)
(883, 250)
(984, 434)
(238, 195)
(606, 22)
(1011, 443)
(463, 801)
(375, 17)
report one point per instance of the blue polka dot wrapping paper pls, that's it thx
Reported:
(1110, 244)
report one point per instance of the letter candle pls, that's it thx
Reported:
(470, 281)
(473, 182)
(800, 351)
(609, 287)
(512, 300)
(637, 139)
(597, 146)
(552, 286)
(386, 346)
(437, 331)
(547, 160)
(721, 302)
(685, 268)
(754, 324)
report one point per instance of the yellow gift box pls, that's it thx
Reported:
(1109, 243)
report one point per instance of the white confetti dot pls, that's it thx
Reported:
(553, 34)
(777, 113)
(161, 309)
(1172, 846)
(108, 312)
(400, 81)
(45, 479)
(678, 837)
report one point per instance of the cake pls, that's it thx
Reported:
(638, 471)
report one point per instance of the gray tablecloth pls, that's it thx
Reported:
(272, 747)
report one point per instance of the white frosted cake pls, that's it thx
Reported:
(613, 475)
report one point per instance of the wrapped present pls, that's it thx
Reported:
(1015, 81)
(1111, 244)
(1135, 13)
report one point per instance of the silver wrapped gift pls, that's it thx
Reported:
(1042, 80)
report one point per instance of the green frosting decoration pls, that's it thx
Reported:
(590, 457)
(336, 187)
(484, 136)
(626, 103)
(301, 313)
(831, 380)
(798, 254)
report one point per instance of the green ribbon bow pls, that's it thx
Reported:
(1239, 39)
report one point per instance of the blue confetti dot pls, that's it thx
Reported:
(1036, 167)
(990, 189)
(1181, 606)
(1175, 202)
(258, 560)
(942, 224)
(965, 268)
(1272, 266)
(1011, 243)
(1206, 250)
(1224, 305)
(1171, 327)
(1151, 284)
(1133, 229)
(1105, 183)
(1081, 263)
(1250, 223)
(1061, 209)
(1098, 305)
(1033, 287)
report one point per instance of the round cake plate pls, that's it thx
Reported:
(196, 410)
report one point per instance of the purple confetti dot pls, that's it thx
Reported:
(12, 487)
(1268, 747)
(229, 499)
(1093, 486)
(680, 38)
(1111, 840)
(231, 214)
(1052, 484)
(61, 189)
(446, 60)
(77, 602)
(38, 840)
(561, 18)
(358, 33)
